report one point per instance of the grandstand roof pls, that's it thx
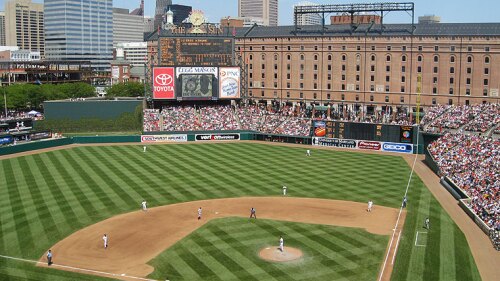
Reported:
(437, 29)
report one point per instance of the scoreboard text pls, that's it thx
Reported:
(196, 51)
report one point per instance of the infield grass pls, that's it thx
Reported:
(227, 249)
(46, 197)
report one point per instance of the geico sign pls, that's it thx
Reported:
(396, 147)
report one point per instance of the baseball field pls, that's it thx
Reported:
(65, 199)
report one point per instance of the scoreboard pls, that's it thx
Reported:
(196, 51)
(363, 131)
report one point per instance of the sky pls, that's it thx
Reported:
(464, 11)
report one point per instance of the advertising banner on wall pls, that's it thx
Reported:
(163, 138)
(319, 128)
(163, 83)
(406, 134)
(197, 82)
(217, 137)
(397, 147)
(229, 82)
(6, 140)
(40, 135)
(335, 142)
(369, 145)
(364, 145)
(196, 70)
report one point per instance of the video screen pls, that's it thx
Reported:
(197, 85)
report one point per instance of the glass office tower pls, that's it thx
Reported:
(79, 30)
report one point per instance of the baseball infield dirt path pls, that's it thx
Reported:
(137, 237)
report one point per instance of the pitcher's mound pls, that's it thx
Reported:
(274, 254)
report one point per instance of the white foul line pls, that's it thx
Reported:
(416, 239)
(76, 268)
(399, 214)
(396, 249)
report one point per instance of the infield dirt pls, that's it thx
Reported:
(137, 237)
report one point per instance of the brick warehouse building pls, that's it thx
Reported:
(459, 63)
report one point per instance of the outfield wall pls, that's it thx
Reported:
(203, 136)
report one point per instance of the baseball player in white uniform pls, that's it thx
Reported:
(144, 205)
(370, 205)
(284, 190)
(105, 239)
(308, 152)
(144, 147)
(281, 243)
(427, 223)
(199, 213)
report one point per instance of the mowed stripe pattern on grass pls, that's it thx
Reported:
(45, 197)
(227, 249)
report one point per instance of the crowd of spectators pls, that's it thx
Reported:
(218, 117)
(180, 118)
(295, 120)
(151, 121)
(489, 116)
(14, 115)
(453, 118)
(250, 116)
(473, 118)
(433, 113)
(286, 120)
(472, 162)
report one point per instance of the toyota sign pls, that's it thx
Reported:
(163, 83)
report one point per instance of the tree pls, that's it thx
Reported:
(29, 96)
(128, 89)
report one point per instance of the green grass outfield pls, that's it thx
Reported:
(46, 197)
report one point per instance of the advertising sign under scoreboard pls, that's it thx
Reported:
(163, 83)
(229, 82)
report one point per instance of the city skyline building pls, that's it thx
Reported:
(134, 52)
(2, 29)
(139, 11)
(181, 12)
(80, 30)
(127, 27)
(308, 19)
(267, 10)
(160, 7)
(148, 24)
(24, 25)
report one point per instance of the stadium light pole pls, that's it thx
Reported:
(4, 97)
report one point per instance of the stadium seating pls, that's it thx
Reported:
(295, 120)
(472, 162)
(473, 118)
(151, 121)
